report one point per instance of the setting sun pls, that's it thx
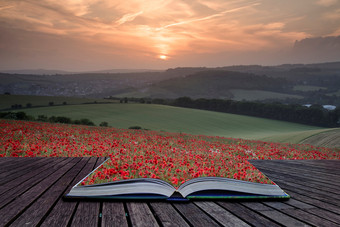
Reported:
(163, 57)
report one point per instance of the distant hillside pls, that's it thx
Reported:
(213, 84)
(62, 72)
(288, 70)
(92, 85)
(290, 83)
(296, 83)
(36, 71)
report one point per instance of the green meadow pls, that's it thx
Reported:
(175, 119)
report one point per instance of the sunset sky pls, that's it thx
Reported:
(80, 35)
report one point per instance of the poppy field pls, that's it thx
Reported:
(173, 157)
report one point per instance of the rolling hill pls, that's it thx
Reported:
(174, 119)
(212, 84)
(326, 138)
(290, 83)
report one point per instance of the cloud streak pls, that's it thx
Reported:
(128, 17)
(207, 17)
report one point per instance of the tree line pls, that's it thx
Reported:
(43, 118)
(314, 115)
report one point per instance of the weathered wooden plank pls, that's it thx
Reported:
(257, 206)
(13, 163)
(317, 189)
(4, 159)
(32, 180)
(298, 204)
(314, 177)
(221, 215)
(278, 205)
(87, 214)
(167, 214)
(16, 165)
(308, 174)
(283, 219)
(314, 165)
(23, 174)
(319, 184)
(113, 214)
(36, 212)
(322, 204)
(309, 218)
(247, 215)
(310, 182)
(322, 166)
(275, 215)
(315, 210)
(14, 208)
(325, 214)
(320, 195)
(92, 208)
(14, 172)
(63, 210)
(303, 172)
(315, 202)
(194, 215)
(300, 214)
(140, 214)
(312, 162)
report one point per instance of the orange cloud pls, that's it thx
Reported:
(170, 27)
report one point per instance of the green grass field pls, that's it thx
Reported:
(326, 138)
(294, 137)
(320, 137)
(175, 119)
(6, 101)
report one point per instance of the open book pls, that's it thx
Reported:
(197, 188)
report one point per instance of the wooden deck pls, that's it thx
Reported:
(31, 191)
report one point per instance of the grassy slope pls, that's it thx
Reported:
(326, 138)
(6, 101)
(294, 137)
(174, 119)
